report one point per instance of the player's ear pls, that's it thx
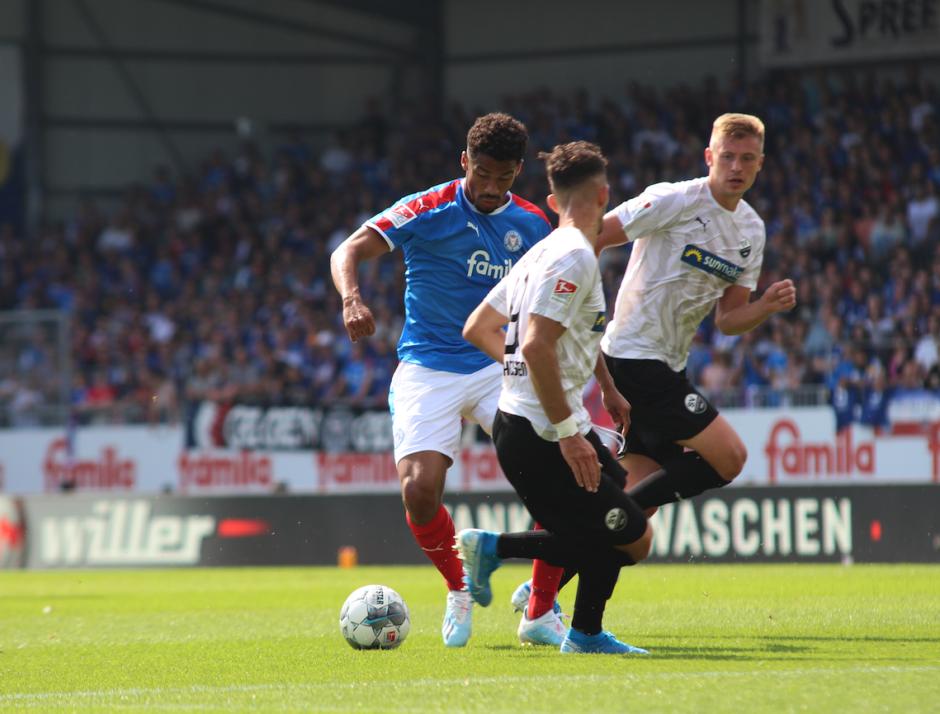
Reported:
(519, 168)
(708, 156)
(552, 201)
(464, 160)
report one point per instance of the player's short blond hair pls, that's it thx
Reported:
(737, 126)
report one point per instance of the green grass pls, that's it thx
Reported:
(723, 639)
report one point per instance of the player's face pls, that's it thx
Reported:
(733, 164)
(487, 180)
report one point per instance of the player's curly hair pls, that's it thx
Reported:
(499, 136)
(569, 165)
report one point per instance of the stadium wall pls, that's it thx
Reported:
(594, 45)
(338, 451)
(841, 524)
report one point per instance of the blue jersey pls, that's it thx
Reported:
(454, 255)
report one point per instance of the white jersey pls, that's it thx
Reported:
(688, 250)
(559, 279)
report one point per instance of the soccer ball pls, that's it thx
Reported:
(374, 617)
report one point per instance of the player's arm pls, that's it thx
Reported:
(364, 244)
(735, 314)
(658, 207)
(484, 330)
(540, 351)
(612, 232)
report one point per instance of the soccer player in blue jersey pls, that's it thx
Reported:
(459, 239)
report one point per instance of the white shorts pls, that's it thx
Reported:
(427, 406)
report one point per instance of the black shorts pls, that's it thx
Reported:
(544, 482)
(665, 407)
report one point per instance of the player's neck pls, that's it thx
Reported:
(586, 221)
(727, 201)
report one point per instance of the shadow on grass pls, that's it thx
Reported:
(806, 638)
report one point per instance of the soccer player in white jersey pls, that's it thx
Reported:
(459, 239)
(553, 303)
(697, 245)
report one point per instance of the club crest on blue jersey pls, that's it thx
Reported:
(710, 263)
(512, 240)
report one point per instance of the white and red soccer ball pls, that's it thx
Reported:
(374, 617)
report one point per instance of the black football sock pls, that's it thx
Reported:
(566, 577)
(537, 544)
(683, 477)
(596, 581)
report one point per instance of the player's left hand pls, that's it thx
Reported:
(581, 458)
(619, 409)
(781, 296)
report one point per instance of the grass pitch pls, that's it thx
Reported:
(723, 639)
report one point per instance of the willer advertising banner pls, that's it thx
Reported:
(824, 524)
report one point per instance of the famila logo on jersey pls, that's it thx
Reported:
(480, 263)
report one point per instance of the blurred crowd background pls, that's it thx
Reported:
(217, 286)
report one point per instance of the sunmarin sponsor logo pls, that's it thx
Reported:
(711, 263)
(108, 472)
(122, 533)
(479, 264)
(796, 458)
(208, 470)
(749, 527)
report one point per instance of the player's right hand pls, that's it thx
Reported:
(357, 318)
(582, 460)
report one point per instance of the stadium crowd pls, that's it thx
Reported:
(216, 285)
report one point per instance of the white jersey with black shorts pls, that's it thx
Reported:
(687, 250)
(558, 279)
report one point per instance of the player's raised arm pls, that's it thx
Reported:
(612, 233)
(657, 207)
(364, 244)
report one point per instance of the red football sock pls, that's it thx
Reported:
(545, 581)
(436, 538)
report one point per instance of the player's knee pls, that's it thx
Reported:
(644, 544)
(733, 463)
(420, 498)
(640, 548)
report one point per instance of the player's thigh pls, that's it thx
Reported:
(640, 548)
(667, 410)
(638, 467)
(482, 395)
(720, 445)
(544, 481)
(425, 406)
